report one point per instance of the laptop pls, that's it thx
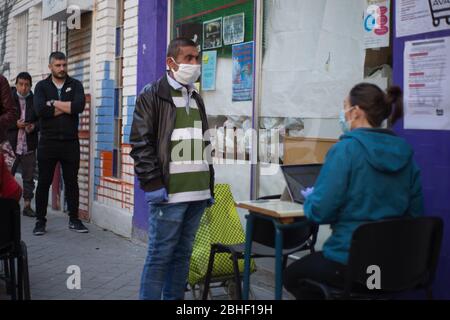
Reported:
(299, 177)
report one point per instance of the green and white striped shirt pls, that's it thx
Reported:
(189, 175)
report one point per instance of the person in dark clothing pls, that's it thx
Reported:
(58, 101)
(7, 111)
(23, 137)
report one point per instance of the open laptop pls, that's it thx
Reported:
(299, 177)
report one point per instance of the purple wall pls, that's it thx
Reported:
(152, 45)
(432, 149)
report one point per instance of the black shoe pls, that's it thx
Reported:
(28, 212)
(77, 226)
(39, 229)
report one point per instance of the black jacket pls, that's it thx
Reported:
(151, 133)
(30, 117)
(63, 127)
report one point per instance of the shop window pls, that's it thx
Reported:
(224, 32)
(314, 52)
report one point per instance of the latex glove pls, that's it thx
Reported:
(157, 196)
(211, 202)
(306, 193)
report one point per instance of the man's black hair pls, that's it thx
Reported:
(24, 76)
(174, 47)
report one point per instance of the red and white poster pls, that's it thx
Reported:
(377, 24)
(427, 83)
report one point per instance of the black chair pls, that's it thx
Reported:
(13, 251)
(405, 250)
(294, 240)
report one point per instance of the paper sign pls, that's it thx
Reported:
(243, 72)
(427, 83)
(377, 24)
(421, 16)
(209, 68)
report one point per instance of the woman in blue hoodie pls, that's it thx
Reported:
(369, 175)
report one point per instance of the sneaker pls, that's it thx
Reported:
(39, 229)
(77, 226)
(28, 212)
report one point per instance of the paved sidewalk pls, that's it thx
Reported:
(110, 265)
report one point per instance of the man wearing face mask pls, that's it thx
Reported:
(23, 137)
(167, 135)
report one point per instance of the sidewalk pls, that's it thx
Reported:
(110, 265)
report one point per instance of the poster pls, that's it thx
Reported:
(209, 70)
(212, 34)
(427, 83)
(243, 72)
(377, 24)
(421, 16)
(234, 29)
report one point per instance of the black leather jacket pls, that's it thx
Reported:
(151, 133)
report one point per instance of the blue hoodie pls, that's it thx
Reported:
(368, 176)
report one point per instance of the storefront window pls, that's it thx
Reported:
(314, 52)
(224, 32)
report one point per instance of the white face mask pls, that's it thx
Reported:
(187, 74)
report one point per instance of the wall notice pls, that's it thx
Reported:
(377, 24)
(209, 68)
(243, 72)
(421, 16)
(427, 83)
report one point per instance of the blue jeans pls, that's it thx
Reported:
(172, 230)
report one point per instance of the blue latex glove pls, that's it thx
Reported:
(306, 193)
(211, 202)
(157, 196)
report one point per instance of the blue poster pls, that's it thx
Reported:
(209, 69)
(243, 72)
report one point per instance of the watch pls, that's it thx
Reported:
(52, 103)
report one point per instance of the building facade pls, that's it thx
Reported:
(100, 41)
(304, 59)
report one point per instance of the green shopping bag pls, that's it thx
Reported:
(219, 224)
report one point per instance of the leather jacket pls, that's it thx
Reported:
(151, 132)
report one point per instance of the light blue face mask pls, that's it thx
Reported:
(21, 96)
(345, 125)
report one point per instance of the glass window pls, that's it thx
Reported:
(224, 32)
(314, 52)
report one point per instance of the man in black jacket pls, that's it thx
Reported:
(170, 150)
(58, 101)
(23, 137)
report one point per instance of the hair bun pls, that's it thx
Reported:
(394, 93)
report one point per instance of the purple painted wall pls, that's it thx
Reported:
(152, 45)
(432, 149)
